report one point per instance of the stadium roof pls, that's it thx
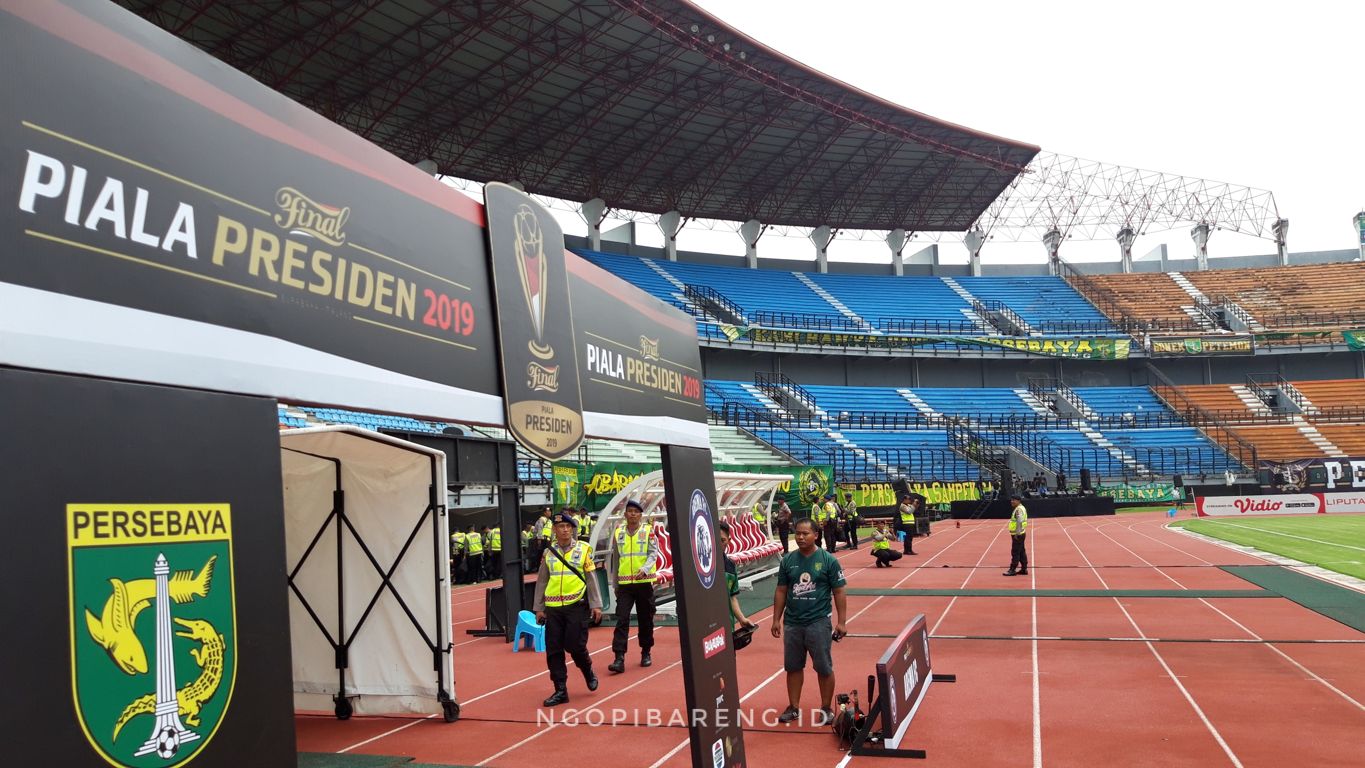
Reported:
(651, 105)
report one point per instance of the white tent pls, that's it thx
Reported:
(368, 559)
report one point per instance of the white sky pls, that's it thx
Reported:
(1262, 94)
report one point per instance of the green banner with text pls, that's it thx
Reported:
(1078, 348)
(873, 495)
(593, 485)
(1133, 494)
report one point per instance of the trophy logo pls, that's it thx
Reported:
(530, 245)
(535, 324)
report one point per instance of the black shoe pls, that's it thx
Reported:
(823, 716)
(645, 659)
(590, 678)
(1023, 571)
(560, 696)
(618, 664)
(1009, 573)
(788, 715)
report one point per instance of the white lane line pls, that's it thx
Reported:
(1037, 699)
(594, 705)
(979, 561)
(679, 747)
(1288, 535)
(1284, 655)
(1183, 691)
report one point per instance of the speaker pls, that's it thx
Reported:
(901, 486)
(1006, 484)
(1085, 480)
(1179, 481)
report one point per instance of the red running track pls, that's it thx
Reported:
(1017, 702)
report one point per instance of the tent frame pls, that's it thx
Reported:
(435, 512)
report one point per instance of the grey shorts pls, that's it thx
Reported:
(814, 638)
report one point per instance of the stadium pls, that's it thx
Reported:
(331, 162)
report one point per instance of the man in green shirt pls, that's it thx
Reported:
(807, 579)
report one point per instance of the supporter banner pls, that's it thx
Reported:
(874, 495)
(594, 484)
(1128, 494)
(1317, 474)
(1284, 504)
(1354, 339)
(180, 223)
(1080, 348)
(1203, 346)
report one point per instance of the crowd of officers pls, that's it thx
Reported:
(567, 601)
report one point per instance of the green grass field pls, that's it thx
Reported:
(1335, 542)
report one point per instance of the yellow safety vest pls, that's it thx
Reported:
(831, 511)
(474, 543)
(495, 540)
(907, 514)
(883, 544)
(564, 588)
(457, 542)
(584, 526)
(1019, 520)
(525, 539)
(546, 528)
(633, 550)
(759, 517)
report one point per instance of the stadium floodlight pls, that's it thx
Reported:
(427, 166)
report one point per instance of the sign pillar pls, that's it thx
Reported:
(710, 681)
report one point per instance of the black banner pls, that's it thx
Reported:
(535, 323)
(708, 648)
(94, 522)
(171, 220)
(1315, 474)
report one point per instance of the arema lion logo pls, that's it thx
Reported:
(153, 628)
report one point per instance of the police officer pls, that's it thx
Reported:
(566, 601)
(457, 563)
(905, 523)
(633, 559)
(584, 524)
(473, 553)
(494, 538)
(830, 520)
(1018, 529)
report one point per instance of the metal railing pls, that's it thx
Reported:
(807, 321)
(928, 327)
(1211, 426)
(781, 388)
(715, 302)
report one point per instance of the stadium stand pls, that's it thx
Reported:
(1155, 297)
(864, 303)
(873, 432)
(1048, 304)
(1310, 295)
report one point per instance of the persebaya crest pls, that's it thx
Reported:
(153, 627)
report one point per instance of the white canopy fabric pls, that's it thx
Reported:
(386, 512)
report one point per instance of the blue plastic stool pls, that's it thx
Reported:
(526, 625)
(901, 535)
(1170, 512)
